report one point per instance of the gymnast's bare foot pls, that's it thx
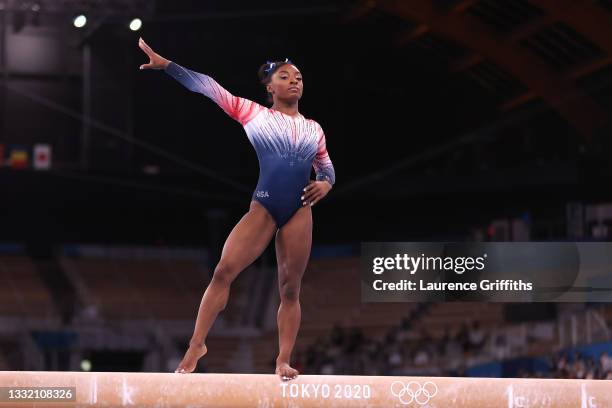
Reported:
(190, 361)
(285, 371)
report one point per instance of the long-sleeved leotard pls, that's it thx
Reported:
(286, 146)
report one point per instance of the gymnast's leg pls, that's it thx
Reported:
(244, 244)
(293, 242)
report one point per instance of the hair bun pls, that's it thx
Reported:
(268, 69)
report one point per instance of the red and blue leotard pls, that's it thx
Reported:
(287, 147)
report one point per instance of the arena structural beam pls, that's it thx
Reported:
(576, 106)
(98, 389)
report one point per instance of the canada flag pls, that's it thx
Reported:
(42, 157)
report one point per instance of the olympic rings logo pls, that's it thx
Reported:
(413, 391)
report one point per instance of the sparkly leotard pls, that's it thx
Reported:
(286, 146)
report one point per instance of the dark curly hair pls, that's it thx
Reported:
(265, 74)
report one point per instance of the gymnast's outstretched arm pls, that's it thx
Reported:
(240, 109)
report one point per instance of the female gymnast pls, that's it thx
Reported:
(287, 145)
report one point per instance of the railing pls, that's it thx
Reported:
(583, 327)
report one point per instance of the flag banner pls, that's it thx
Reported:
(42, 157)
(19, 158)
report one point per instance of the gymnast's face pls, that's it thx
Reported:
(286, 83)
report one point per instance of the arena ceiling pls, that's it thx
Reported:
(559, 51)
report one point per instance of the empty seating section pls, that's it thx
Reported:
(124, 289)
(171, 289)
(150, 288)
(22, 292)
(453, 315)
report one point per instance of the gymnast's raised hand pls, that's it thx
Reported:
(156, 61)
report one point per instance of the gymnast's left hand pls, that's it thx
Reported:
(314, 191)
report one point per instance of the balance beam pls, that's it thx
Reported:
(95, 389)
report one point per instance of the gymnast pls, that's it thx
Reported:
(287, 145)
